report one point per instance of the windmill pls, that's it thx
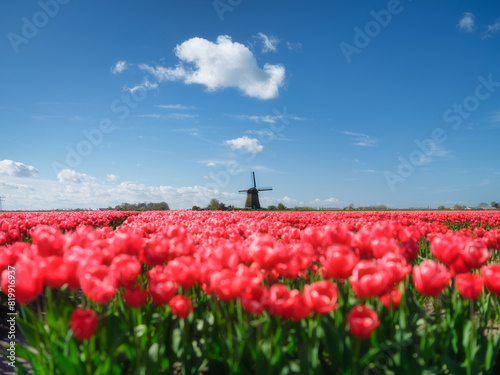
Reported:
(253, 194)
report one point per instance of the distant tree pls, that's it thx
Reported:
(494, 204)
(215, 205)
(482, 204)
(351, 206)
(441, 208)
(281, 207)
(195, 208)
(272, 208)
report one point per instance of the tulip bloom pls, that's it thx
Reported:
(392, 299)
(491, 276)
(255, 299)
(339, 262)
(181, 306)
(83, 323)
(362, 321)
(368, 279)
(431, 278)
(321, 296)
(126, 269)
(446, 248)
(28, 281)
(469, 285)
(98, 283)
(475, 254)
(135, 297)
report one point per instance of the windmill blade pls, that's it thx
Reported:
(242, 191)
(265, 188)
(254, 183)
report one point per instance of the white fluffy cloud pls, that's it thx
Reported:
(220, 65)
(112, 177)
(467, 23)
(245, 143)
(119, 67)
(73, 177)
(16, 169)
(268, 43)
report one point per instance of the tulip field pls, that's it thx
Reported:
(243, 292)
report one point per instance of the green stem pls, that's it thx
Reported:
(357, 350)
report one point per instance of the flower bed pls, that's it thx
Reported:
(255, 292)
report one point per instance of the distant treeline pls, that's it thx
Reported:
(162, 206)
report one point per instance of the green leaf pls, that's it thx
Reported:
(140, 330)
(153, 352)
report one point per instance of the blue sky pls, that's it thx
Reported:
(330, 103)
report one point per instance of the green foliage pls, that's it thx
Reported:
(162, 206)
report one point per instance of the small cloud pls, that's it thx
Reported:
(245, 143)
(16, 169)
(176, 106)
(76, 118)
(119, 67)
(294, 46)
(362, 139)
(492, 29)
(467, 23)
(176, 116)
(145, 85)
(46, 117)
(73, 177)
(112, 177)
(270, 119)
(268, 43)
(195, 132)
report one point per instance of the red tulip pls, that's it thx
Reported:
(162, 289)
(226, 284)
(447, 248)
(126, 269)
(396, 266)
(368, 279)
(339, 262)
(181, 306)
(362, 321)
(255, 299)
(98, 283)
(55, 273)
(297, 309)
(28, 280)
(83, 323)
(469, 285)
(391, 300)
(491, 276)
(431, 278)
(278, 299)
(135, 297)
(321, 296)
(49, 241)
(475, 254)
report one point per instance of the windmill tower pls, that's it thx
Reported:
(253, 194)
(2, 199)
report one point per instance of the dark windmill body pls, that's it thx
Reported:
(253, 194)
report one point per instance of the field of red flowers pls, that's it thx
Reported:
(253, 292)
